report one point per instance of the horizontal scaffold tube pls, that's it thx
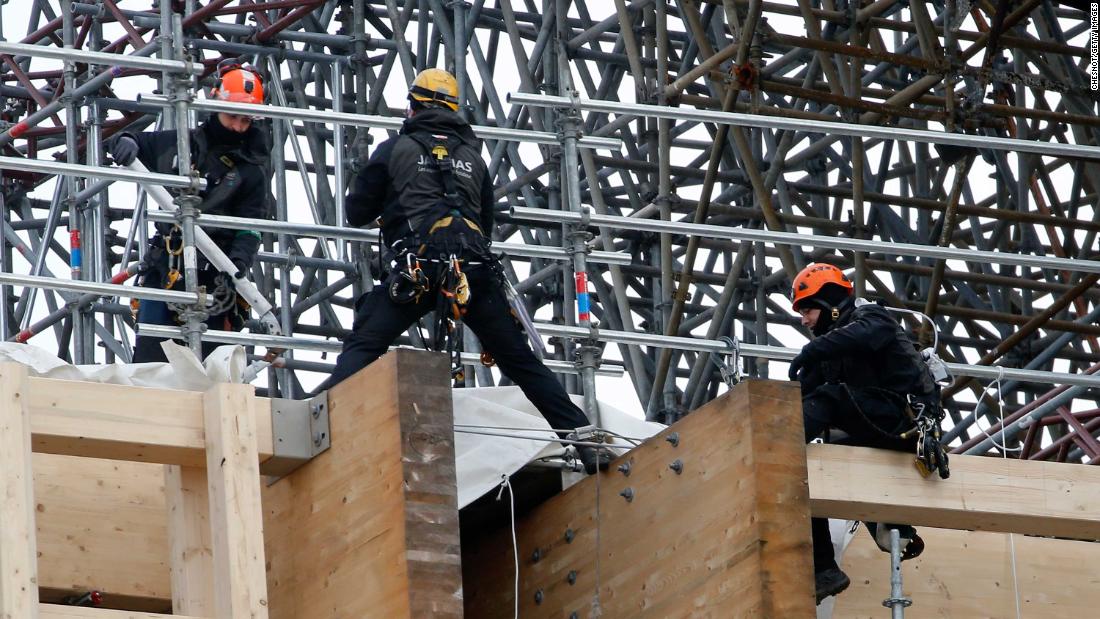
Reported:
(372, 236)
(106, 290)
(1048, 149)
(305, 343)
(90, 171)
(806, 240)
(101, 58)
(636, 339)
(391, 123)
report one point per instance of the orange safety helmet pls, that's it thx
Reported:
(813, 278)
(240, 84)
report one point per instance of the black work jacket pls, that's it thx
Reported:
(866, 349)
(402, 185)
(242, 189)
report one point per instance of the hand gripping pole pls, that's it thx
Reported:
(217, 257)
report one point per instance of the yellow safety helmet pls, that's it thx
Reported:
(435, 87)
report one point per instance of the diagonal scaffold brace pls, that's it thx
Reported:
(244, 287)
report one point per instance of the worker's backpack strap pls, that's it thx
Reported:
(450, 228)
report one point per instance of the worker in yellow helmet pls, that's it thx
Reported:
(433, 193)
(433, 87)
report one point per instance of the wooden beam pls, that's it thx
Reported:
(192, 556)
(57, 611)
(728, 537)
(970, 574)
(983, 493)
(123, 422)
(18, 551)
(369, 528)
(233, 475)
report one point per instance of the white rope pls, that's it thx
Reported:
(1004, 455)
(507, 483)
(996, 384)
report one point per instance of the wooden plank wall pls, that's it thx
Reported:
(370, 527)
(969, 574)
(729, 537)
(102, 525)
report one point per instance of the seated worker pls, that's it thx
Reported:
(855, 375)
(433, 193)
(232, 154)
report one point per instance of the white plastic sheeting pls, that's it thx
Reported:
(482, 460)
(183, 370)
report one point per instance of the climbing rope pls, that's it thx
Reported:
(507, 483)
(996, 384)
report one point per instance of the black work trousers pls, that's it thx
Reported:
(379, 321)
(875, 423)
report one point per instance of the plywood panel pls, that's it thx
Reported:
(988, 494)
(969, 574)
(370, 527)
(729, 537)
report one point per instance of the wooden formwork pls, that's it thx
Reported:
(223, 499)
(726, 536)
(370, 527)
(977, 574)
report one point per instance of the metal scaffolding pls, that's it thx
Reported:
(674, 160)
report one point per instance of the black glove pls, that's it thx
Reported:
(241, 267)
(800, 360)
(123, 149)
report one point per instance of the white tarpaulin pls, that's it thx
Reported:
(183, 370)
(480, 460)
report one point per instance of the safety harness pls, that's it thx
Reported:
(432, 254)
(923, 410)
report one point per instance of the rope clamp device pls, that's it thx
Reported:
(729, 370)
(931, 456)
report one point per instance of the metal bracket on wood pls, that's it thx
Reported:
(300, 430)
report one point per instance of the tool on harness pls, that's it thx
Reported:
(931, 456)
(408, 284)
(519, 312)
(925, 410)
(173, 259)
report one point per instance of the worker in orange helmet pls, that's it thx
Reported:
(855, 375)
(232, 153)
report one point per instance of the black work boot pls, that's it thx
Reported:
(593, 458)
(830, 582)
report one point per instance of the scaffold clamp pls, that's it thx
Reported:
(730, 371)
